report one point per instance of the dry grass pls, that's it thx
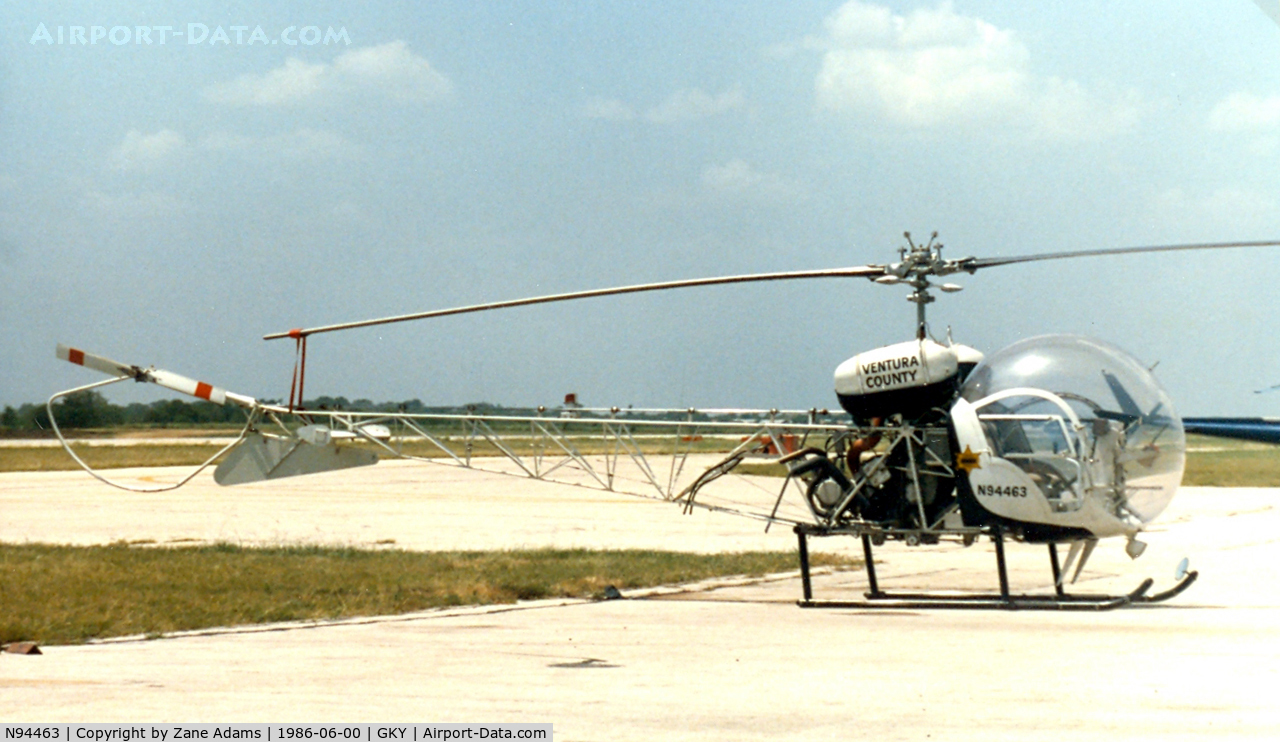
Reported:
(65, 594)
(1218, 462)
(104, 456)
(1210, 461)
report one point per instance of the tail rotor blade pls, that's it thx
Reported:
(160, 377)
(180, 383)
(96, 362)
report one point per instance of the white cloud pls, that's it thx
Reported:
(394, 70)
(390, 70)
(738, 178)
(221, 141)
(609, 109)
(316, 144)
(692, 105)
(933, 68)
(293, 83)
(682, 106)
(141, 151)
(1246, 112)
(124, 206)
(303, 144)
(1226, 210)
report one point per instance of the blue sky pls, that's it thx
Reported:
(169, 204)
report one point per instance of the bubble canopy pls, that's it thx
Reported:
(1125, 427)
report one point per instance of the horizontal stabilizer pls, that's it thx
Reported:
(369, 430)
(260, 457)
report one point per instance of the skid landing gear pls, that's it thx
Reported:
(1060, 600)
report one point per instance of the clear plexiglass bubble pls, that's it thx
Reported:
(1125, 433)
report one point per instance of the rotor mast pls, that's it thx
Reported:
(915, 264)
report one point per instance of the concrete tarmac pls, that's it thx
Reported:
(714, 661)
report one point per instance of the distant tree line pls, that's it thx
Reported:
(89, 409)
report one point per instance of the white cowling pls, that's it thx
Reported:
(915, 363)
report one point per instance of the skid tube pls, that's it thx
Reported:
(1060, 600)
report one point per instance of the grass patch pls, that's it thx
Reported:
(1220, 462)
(1211, 462)
(46, 458)
(69, 594)
(762, 469)
(1233, 469)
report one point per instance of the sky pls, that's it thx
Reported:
(169, 197)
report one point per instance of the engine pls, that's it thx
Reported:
(908, 482)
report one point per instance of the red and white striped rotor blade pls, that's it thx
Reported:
(95, 362)
(166, 379)
(180, 383)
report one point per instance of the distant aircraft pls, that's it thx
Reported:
(1264, 429)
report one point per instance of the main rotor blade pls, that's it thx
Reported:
(971, 264)
(853, 272)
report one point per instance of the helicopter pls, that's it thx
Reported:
(1054, 440)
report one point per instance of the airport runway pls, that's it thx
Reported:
(711, 662)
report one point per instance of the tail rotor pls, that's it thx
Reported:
(160, 377)
(168, 380)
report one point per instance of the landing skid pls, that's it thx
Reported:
(1060, 600)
